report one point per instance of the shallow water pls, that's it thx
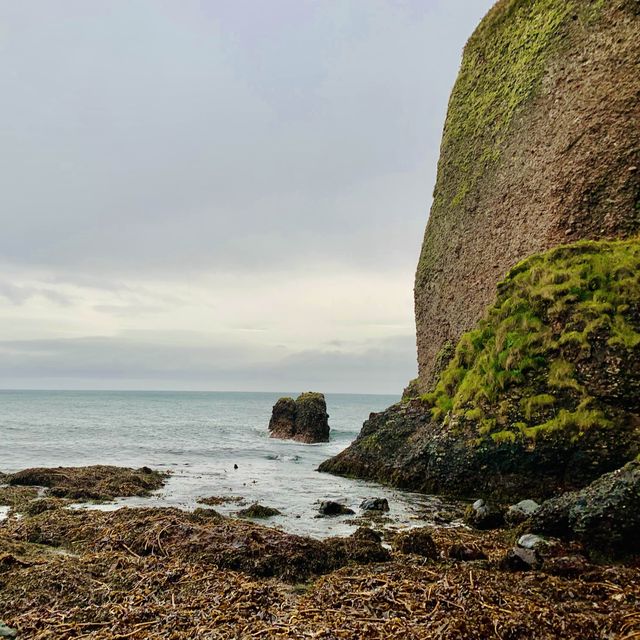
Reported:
(199, 437)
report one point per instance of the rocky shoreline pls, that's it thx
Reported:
(167, 573)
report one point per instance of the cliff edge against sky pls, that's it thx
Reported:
(541, 146)
(528, 383)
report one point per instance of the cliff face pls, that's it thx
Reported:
(541, 146)
(542, 396)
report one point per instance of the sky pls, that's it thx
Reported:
(218, 195)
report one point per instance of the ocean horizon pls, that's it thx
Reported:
(212, 443)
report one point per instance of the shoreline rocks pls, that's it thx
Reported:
(482, 515)
(375, 504)
(258, 511)
(333, 508)
(197, 565)
(518, 513)
(304, 419)
(604, 516)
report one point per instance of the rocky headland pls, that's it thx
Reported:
(527, 293)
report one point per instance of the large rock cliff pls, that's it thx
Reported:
(542, 396)
(541, 146)
(527, 385)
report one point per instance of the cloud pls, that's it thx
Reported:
(231, 194)
(18, 295)
(125, 362)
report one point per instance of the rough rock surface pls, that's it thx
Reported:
(375, 504)
(519, 512)
(541, 146)
(604, 517)
(332, 508)
(483, 515)
(304, 419)
(542, 397)
(283, 419)
(97, 482)
(258, 511)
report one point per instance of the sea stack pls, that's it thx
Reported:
(304, 419)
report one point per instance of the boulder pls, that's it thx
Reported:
(332, 508)
(375, 504)
(604, 516)
(518, 513)
(7, 632)
(417, 541)
(531, 541)
(258, 511)
(466, 553)
(483, 515)
(304, 419)
(519, 559)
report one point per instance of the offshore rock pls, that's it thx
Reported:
(604, 517)
(283, 419)
(304, 419)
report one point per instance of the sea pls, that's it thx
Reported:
(212, 443)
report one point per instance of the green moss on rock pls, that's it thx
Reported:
(531, 365)
(525, 408)
(503, 63)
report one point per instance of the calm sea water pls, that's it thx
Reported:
(199, 437)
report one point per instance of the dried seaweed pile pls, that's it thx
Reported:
(97, 482)
(163, 573)
(17, 497)
(203, 537)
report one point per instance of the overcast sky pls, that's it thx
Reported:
(218, 194)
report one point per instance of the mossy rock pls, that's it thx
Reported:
(558, 351)
(304, 419)
(529, 158)
(542, 396)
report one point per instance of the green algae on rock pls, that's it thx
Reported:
(542, 396)
(541, 146)
(304, 419)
